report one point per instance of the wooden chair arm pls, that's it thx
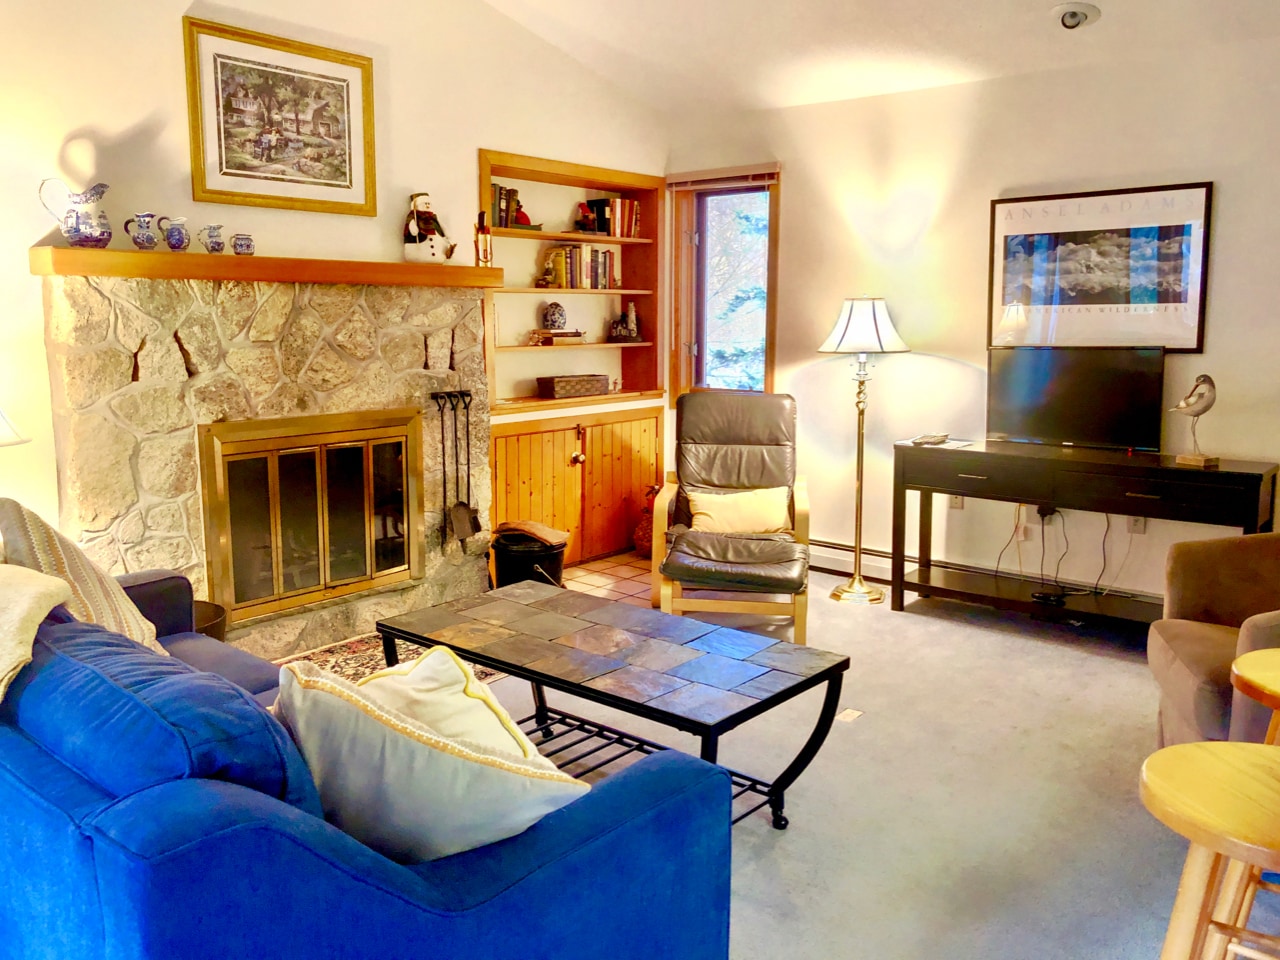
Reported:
(800, 506)
(661, 521)
(658, 547)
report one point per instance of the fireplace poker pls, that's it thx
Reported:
(473, 515)
(440, 400)
(462, 516)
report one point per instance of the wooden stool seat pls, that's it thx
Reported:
(1257, 675)
(1225, 798)
(1221, 795)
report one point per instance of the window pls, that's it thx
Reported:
(725, 264)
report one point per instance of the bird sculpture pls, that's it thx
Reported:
(1197, 403)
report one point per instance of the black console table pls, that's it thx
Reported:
(1237, 494)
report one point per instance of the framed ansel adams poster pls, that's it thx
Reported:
(278, 122)
(1102, 269)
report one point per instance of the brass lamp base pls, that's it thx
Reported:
(857, 590)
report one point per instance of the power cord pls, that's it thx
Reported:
(1014, 533)
(1105, 533)
(1120, 569)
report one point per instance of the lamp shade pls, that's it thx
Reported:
(1013, 325)
(864, 327)
(9, 437)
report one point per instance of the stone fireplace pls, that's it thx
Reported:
(140, 364)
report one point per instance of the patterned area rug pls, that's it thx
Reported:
(358, 657)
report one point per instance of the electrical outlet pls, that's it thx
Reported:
(1137, 524)
(957, 503)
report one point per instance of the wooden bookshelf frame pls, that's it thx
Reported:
(643, 366)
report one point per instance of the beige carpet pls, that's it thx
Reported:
(978, 802)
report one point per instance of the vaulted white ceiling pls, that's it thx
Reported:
(752, 54)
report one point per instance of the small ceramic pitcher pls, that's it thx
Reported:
(143, 234)
(82, 221)
(210, 237)
(176, 234)
(242, 245)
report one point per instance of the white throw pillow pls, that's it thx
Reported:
(96, 596)
(744, 511)
(26, 597)
(419, 762)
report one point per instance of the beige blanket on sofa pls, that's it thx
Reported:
(26, 597)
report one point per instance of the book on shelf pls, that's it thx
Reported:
(602, 208)
(581, 266)
(555, 338)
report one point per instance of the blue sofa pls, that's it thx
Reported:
(152, 810)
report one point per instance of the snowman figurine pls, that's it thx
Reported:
(424, 237)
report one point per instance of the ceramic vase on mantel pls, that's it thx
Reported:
(81, 221)
(143, 234)
(176, 235)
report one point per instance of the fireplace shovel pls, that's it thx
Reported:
(464, 518)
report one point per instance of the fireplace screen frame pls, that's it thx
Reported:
(228, 442)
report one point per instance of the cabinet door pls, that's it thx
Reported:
(536, 476)
(622, 462)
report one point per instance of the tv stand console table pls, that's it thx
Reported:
(1237, 494)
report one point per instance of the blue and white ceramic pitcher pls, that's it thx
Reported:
(144, 233)
(175, 231)
(82, 222)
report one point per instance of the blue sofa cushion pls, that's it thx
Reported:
(168, 721)
(240, 667)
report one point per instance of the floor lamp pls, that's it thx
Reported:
(863, 328)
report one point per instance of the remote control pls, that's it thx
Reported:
(929, 439)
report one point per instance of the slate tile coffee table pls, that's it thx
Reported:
(696, 677)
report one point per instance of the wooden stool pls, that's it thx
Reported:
(1257, 675)
(1225, 799)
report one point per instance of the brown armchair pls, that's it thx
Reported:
(1222, 599)
(730, 443)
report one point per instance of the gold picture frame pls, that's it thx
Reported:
(278, 122)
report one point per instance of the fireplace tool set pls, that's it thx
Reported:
(461, 519)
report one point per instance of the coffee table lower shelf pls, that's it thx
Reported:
(559, 735)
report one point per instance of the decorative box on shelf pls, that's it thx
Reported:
(550, 338)
(579, 385)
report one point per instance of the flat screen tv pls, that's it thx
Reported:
(1109, 397)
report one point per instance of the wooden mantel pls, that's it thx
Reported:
(47, 261)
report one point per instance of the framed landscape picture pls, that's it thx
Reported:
(1102, 269)
(277, 122)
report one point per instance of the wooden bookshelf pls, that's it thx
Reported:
(526, 404)
(600, 291)
(578, 346)
(569, 237)
(639, 259)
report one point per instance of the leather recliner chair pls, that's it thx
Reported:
(729, 442)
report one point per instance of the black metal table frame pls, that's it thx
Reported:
(550, 724)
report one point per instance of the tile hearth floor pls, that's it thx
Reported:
(624, 577)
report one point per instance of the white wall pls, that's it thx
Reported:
(96, 91)
(891, 196)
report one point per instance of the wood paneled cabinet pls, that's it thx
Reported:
(587, 475)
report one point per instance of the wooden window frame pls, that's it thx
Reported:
(687, 191)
